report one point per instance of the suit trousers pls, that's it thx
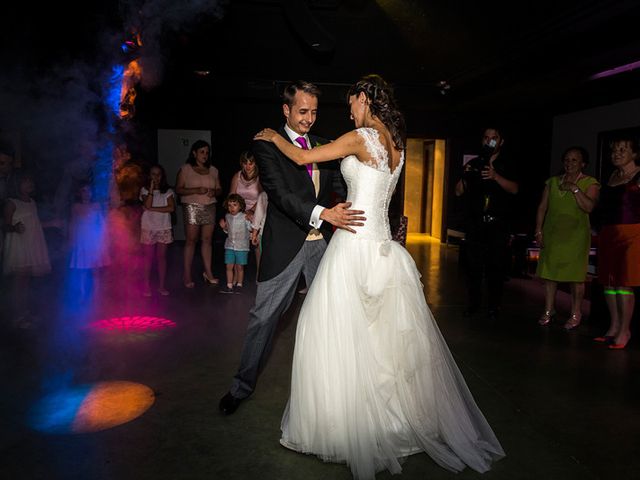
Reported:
(487, 249)
(273, 298)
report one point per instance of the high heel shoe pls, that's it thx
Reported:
(608, 339)
(619, 346)
(546, 317)
(573, 322)
(211, 281)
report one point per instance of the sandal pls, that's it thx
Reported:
(573, 322)
(608, 339)
(212, 281)
(546, 317)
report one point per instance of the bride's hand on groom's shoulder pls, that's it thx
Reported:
(341, 216)
(266, 134)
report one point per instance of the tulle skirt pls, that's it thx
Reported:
(373, 380)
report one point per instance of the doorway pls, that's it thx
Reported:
(425, 186)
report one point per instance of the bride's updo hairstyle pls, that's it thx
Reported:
(383, 105)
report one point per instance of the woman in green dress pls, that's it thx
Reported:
(563, 233)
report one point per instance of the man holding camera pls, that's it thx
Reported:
(487, 187)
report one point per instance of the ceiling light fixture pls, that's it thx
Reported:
(444, 87)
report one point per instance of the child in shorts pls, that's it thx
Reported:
(236, 246)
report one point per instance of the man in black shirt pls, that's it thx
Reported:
(487, 187)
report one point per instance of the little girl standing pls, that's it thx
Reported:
(236, 248)
(25, 249)
(88, 240)
(159, 203)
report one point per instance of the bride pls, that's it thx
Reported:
(373, 380)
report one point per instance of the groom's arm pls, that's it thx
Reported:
(278, 189)
(337, 182)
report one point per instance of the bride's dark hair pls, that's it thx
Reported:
(383, 105)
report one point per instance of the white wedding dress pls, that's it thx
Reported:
(373, 380)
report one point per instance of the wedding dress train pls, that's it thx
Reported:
(373, 380)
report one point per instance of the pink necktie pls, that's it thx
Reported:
(303, 143)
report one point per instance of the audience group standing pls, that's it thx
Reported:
(573, 205)
(563, 231)
(94, 232)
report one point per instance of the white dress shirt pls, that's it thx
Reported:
(315, 220)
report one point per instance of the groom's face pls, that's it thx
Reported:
(301, 115)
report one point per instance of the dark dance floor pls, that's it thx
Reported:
(124, 387)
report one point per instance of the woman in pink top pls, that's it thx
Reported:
(198, 184)
(246, 183)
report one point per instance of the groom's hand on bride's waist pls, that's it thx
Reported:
(341, 216)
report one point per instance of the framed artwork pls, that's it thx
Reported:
(603, 162)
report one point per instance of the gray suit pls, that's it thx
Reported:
(286, 252)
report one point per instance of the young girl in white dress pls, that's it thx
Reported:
(156, 232)
(25, 252)
(88, 240)
(373, 380)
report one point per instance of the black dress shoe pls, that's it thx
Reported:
(229, 404)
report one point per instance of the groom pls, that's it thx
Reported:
(296, 231)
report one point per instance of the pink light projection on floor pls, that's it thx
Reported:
(133, 328)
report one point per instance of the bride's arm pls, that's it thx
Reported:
(348, 144)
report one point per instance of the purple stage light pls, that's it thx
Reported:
(616, 71)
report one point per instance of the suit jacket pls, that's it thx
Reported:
(291, 200)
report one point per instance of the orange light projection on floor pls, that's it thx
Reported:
(91, 408)
(112, 403)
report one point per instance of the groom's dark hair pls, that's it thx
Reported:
(299, 86)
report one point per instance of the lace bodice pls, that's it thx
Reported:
(370, 186)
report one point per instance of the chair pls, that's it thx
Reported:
(454, 234)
